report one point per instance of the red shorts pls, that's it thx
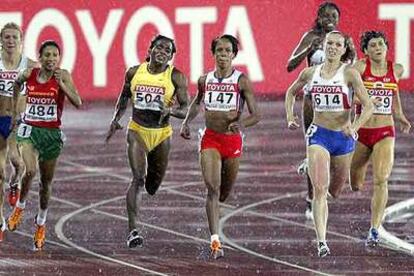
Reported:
(228, 145)
(370, 136)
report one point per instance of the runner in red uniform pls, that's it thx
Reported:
(39, 136)
(377, 136)
(223, 93)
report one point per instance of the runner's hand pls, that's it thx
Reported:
(185, 131)
(405, 125)
(112, 129)
(350, 131)
(235, 127)
(292, 123)
(315, 43)
(377, 101)
(165, 111)
(59, 76)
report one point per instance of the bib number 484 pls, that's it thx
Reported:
(40, 110)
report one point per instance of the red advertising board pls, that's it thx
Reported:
(100, 39)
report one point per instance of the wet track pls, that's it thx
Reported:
(263, 223)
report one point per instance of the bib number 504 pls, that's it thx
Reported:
(147, 98)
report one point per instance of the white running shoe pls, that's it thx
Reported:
(323, 249)
(303, 167)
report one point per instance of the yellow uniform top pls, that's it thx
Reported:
(148, 89)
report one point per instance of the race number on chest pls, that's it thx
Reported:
(149, 97)
(6, 83)
(41, 112)
(383, 98)
(221, 97)
(328, 98)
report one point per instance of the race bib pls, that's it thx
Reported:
(148, 101)
(6, 88)
(148, 97)
(24, 131)
(41, 112)
(384, 106)
(324, 102)
(220, 101)
(311, 130)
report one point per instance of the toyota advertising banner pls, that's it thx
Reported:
(101, 39)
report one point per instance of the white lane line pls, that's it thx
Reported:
(109, 171)
(59, 231)
(170, 189)
(67, 202)
(391, 213)
(47, 240)
(271, 217)
(60, 224)
(256, 254)
(143, 223)
(73, 177)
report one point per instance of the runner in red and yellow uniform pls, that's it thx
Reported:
(377, 136)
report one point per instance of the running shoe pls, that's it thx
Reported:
(2, 230)
(308, 210)
(14, 193)
(15, 218)
(216, 249)
(134, 239)
(39, 237)
(303, 167)
(323, 249)
(373, 238)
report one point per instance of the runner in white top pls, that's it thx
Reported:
(330, 138)
(11, 62)
(310, 47)
(223, 93)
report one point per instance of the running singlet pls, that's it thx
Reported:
(331, 95)
(149, 89)
(44, 103)
(7, 77)
(318, 57)
(223, 94)
(383, 88)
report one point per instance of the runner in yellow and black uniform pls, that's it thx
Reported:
(153, 87)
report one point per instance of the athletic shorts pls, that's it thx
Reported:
(335, 142)
(5, 126)
(152, 137)
(47, 141)
(370, 136)
(228, 145)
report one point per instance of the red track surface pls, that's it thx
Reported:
(263, 219)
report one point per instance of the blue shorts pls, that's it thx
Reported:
(5, 126)
(335, 142)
